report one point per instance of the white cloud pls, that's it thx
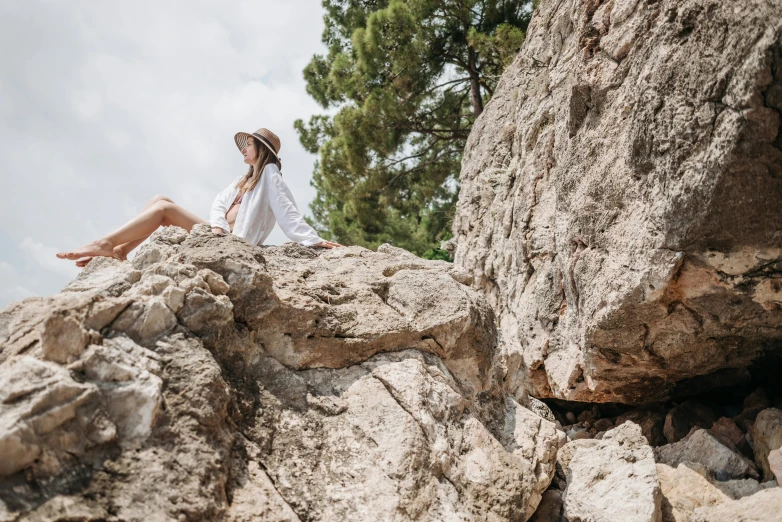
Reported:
(106, 104)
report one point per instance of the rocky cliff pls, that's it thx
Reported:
(620, 198)
(214, 380)
(618, 243)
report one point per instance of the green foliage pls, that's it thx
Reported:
(404, 82)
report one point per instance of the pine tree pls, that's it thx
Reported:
(405, 81)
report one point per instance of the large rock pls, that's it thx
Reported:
(619, 200)
(702, 448)
(612, 479)
(766, 436)
(690, 496)
(214, 380)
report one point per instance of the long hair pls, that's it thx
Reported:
(265, 157)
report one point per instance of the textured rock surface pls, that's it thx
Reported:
(619, 200)
(702, 448)
(766, 436)
(214, 380)
(612, 479)
(689, 496)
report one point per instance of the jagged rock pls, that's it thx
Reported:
(36, 399)
(681, 419)
(619, 201)
(216, 380)
(689, 495)
(766, 435)
(612, 479)
(401, 440)
(702, 448)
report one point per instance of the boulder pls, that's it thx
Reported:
(766, 435)
(760, 507)
(619, 198)
(217, 380)
(702, 448)
(612, 479)
(690, 496)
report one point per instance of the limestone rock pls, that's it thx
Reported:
(36, 399)
(613, 479)
(619, 202)
(766, 435)
(760, 507)
(689, 496)
(217, 380)
(702, 448)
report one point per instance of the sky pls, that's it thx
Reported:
(105, 104)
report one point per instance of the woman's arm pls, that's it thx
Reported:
(219, 208)
(287, 214)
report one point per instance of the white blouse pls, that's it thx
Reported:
(269, 201)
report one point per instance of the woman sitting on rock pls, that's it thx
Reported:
(248, 207)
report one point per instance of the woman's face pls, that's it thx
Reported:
(250, 152)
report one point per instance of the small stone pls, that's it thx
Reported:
(727, 432)
(571, 417)
(603, 424)
(683, 418)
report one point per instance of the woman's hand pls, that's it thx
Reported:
(327, 244)
(219, 231)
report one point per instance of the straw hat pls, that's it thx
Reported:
(265, 136)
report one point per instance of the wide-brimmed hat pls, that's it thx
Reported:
(265, 136)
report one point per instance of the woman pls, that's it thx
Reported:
(248, 207)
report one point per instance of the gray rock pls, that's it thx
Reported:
(224, 381)
(766, 435)
(702, 448)
(612, 479)
(689, 495)
(619, 202)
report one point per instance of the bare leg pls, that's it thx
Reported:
(121, 252)
(160, 213)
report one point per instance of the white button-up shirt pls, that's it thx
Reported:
(270, 201)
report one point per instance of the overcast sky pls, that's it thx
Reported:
(106, 103)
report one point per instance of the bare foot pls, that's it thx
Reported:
(119, 255)
(96, 248)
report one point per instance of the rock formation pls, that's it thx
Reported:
(617, 243)
(214, 380)
(619, 200)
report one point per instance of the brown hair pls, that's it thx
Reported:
(265, 157)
